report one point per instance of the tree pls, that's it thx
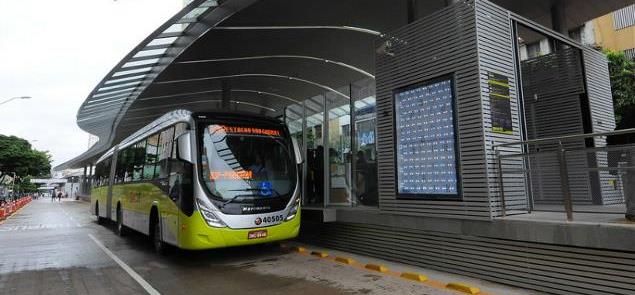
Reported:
(24, 185)
(17, 155)
(622, 73)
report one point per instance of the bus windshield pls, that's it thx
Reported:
(248, 162)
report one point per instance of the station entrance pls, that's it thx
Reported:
(338, 130)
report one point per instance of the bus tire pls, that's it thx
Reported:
(100, 220)
(121, 228)
(156, 235)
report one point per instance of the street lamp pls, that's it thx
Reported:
(17, 97)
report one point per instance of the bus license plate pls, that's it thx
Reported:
(257, 234)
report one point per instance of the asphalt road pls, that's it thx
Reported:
(57, 248)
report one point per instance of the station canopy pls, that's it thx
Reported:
(271, 54)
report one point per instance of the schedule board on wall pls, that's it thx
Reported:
(426, 145)
(500, 104)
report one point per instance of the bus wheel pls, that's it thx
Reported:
(100, 220)
(157, 236)
(121, 229)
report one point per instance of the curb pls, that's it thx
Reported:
(461, 287)
(410, 276)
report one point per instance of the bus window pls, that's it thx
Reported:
(106, 173)
(152, 146)
(165, 150)
(139, 151)
(180, 179)
(126, 165)
(120, 169)
(98, 172)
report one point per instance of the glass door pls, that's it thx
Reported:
(339, 148)
(314, 174)
(364, 145)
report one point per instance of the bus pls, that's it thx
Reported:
(202, 181)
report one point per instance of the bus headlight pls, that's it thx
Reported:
(208, 214)
(294, 210)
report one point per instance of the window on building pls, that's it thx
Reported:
(624, 17)
(533, 50)
(576, 34)
(630, 53)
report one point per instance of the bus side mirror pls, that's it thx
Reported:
(296, 150)
(184, 148)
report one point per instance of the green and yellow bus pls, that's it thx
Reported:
(202, 181)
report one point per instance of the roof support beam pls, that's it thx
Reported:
(226, 93)
(327, 88)
(559, 17)
(348, 66)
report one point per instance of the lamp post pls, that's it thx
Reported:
(13, 98)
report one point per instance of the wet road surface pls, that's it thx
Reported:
(46, 248)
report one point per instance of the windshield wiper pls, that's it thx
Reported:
(256, 189)
(234, 199)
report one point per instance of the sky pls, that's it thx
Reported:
(56, 52)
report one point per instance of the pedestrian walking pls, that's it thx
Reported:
(59, 196)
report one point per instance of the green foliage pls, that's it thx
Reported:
(622, 73)
(24, 185)
(17, 155)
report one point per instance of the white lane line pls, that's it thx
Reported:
(127, 268)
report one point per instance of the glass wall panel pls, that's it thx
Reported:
(364, 145)
(314, 144)
(293, 116)
(339, 148)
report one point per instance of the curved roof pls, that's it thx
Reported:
(271, 54)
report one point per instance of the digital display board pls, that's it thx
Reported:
(426, 155)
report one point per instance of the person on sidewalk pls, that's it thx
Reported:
(59, 196)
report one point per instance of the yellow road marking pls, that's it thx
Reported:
(415, 277)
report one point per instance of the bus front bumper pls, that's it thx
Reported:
(195, 234)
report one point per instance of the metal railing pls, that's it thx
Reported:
(574, 173)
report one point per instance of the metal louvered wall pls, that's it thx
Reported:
(544, 267)
(420, 52)
(553, 86)
(624, 17)
(496, 55)
(602, 117)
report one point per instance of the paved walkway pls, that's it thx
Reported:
(57, 248)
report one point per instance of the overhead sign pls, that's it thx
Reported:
(243, 130)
